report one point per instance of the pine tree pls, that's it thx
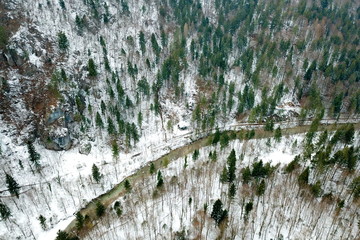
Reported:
(98, 121)
(62, 235)
(231, 161)
(232, 190)
(214, 156)
(34, 156)
(246, 175)
(248, 208)
(111, 127)
(118, 208)
(142, 42)
(269, 125)
(12, 185)
(115, 149)
(103, 107)
(4, 211)
(303, 178)
(79, 220)
(92, 68)
(79, 23)
(261, 188)
(152, 168)
(224, 175)
(160, 181)
(100, 209)
(62, 4)
(140, 119)
(224, 140)
(127, 185)
(63, 41)
(42, 220)
(218, 214)
(155, 46)
(216, 137)
(96, 173)
(195, 155)
(277, 134)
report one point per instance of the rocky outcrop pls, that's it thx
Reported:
(57, 131)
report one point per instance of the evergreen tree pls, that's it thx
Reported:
(160, 180)
(100, 209)
(63, 41)
(248, 208)
(195, 155)
(232, 190)
(42, 220)
(79, 221)
(115, 149)
(79, 23)
(103, 107)
(336, 104)
(310, 70)
(140, 118)
(303, 178)
(155, 46)
(98, 121)
(185, 162)
(224, 175)
(277, 134)
(4, 211)
(142, 42)
(96, 173)
(12, 185)
(91, 67)
(62, 4)
(316, 189)
(63, 75)
(269, 125)
(246, 175)
(111, 127)
(62, 235)
(216, 138)
(218, 214)
(259, 170)
(152, 168)
(118, 208)
(293, 164)
(224, 140)
(213, 156)
(127, 185)
(34, 156)
(143, 86)
(231, 161)
(260, 188)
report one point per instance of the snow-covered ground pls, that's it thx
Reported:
(64, 183)
(285, 211)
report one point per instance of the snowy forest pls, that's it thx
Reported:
(179, 119)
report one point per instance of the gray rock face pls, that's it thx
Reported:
(57, 133)
(13, 58)
(57, 139)
(58, 113)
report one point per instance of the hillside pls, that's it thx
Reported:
(92, 91)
